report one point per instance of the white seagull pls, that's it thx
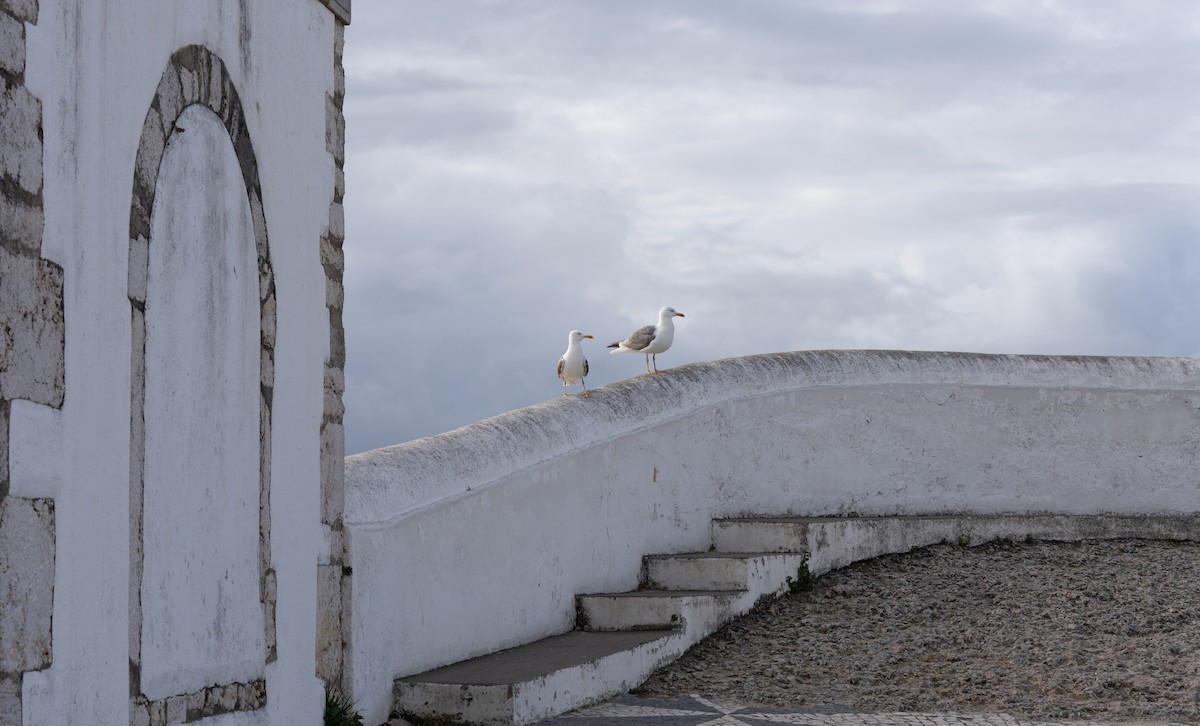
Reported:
(652, 339)
(573, 367)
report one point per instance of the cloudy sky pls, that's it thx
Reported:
(1017, 176)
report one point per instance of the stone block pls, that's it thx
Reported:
(12, 45)
(170, 101)
(4, 409)
(229, 697)
(20, 138)
(10, 700)
(21, 223)
(333, 258)
(27, 10)
(32, 331)
(137, 469)
(337, 221)
(266, 281)
(177, 709)
(257, 694)
(337, 339)
(329, 622)
(139, 715)
(337, 547)
(335, 295)
(139, 268)
(195, 705)
(232, 115)
(339, 83)
(266, 368)
(335, 386)
(158, 713)
(259, 221)
(339, 184)
(35, 450)
(218, 79)
(264, 473)
(267, 323)
(326, 545)
(193, 81)
(347, 601)
(270, 595)
(333, 473)
(26, 583)
(335, 131)
(149, 156)
(212, 700)
(245, 697)
(270, 586)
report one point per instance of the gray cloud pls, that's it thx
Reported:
(998, 176)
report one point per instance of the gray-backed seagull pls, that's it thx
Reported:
(652, 339)
(573, 367)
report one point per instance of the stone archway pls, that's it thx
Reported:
(190, 465)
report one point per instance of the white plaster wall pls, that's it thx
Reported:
(202, 619)
(479, 539)
(95, 66)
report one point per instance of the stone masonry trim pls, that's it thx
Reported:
(333, 578)
(32, 365)
(194, 76)
(201, 704)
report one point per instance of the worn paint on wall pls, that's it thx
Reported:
(99, 67)
(202, 622)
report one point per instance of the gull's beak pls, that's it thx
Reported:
(680, 315)
(588, 336)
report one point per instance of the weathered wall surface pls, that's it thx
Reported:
(103, 507)
(479, 539)
(200, 530)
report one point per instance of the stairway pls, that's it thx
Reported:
(619, 640)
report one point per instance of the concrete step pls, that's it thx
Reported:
(623, 637)
(761, 534)
(718, 570)
(651, 609)
(529, 683)
(834, 542)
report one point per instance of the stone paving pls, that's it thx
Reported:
(693, 710)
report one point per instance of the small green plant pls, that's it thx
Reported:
(803, 582)
(340, 711)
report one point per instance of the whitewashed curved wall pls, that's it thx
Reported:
(480, 538)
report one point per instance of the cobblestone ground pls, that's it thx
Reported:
(698, 711)
(1006, 633)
